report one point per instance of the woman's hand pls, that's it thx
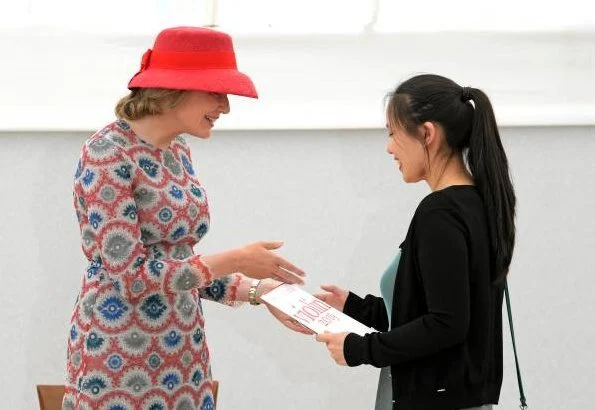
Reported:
(334, 344)
(288, 321)
(333, 295)
(265, 287)
(257, 260)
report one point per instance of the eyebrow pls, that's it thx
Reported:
(386, 125)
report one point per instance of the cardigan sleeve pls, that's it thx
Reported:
(370, 311)
(440, 248)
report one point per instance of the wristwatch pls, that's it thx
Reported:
(252, 292)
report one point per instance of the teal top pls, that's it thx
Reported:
(387, 284)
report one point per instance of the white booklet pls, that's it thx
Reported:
(312, 312)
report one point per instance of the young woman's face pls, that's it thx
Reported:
(409, 153)
(198, 112)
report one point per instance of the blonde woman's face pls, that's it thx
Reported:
(408, 152)
(199, 111)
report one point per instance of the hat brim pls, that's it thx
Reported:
(225, 81)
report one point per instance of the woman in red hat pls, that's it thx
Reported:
(137, 337)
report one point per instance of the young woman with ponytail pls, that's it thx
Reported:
(439, 322)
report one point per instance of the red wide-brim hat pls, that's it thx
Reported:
(193, 58)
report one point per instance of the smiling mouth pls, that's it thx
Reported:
(211, 120)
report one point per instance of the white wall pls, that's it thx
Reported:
(336, 199)
(56, 80)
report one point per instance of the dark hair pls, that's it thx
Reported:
(468, 120)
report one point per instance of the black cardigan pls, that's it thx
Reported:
(445, 343)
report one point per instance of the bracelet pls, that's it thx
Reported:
(252, 292)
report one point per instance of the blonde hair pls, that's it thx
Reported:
(142, 102)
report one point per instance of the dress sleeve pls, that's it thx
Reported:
(110, 230)
(224, 290)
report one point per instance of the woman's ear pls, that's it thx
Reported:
(431, 133)
(428, 133)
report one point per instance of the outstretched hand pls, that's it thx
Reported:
(258, 261)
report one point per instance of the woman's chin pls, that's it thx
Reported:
(403, 175)
(203, 134)
(408, 179)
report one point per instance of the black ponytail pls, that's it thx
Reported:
(489, 166)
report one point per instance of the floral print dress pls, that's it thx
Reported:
(136, 337)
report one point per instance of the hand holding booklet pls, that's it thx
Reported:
(312, 312)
